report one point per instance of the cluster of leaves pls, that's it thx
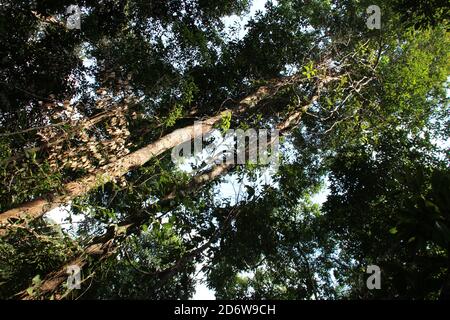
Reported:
(30, 253)
(23, 181)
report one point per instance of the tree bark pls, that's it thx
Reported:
(39, 207)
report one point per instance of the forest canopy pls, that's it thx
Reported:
(95, 96)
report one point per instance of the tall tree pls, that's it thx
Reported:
(90, 117)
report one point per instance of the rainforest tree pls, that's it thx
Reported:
(89, 119)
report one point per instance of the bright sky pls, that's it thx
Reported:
(202, 291)
(257, 5)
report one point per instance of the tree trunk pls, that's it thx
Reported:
(39, 207)
(106, 245)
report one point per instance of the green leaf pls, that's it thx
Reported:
(30, 291)
(393, 230)
(36, 280)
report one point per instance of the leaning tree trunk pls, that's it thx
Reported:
(38, 207)
(106, 245)
(103, 247)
